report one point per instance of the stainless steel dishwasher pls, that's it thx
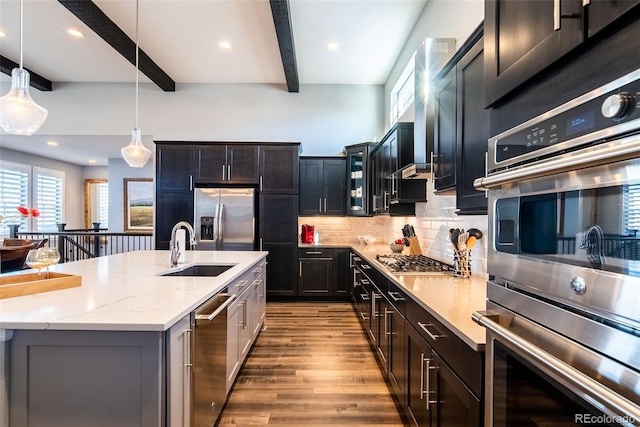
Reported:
(210, 360)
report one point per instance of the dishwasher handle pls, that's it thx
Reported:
(214, 307)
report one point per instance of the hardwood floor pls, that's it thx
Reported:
(311, 367)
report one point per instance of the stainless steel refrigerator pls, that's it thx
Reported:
(225, 219)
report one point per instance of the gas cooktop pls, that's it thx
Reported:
(413, 264)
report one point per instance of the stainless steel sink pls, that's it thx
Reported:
(209, 270)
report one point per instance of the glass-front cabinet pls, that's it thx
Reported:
(358, 197)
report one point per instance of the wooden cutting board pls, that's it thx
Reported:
(30, 283)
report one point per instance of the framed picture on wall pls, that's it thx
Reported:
(138, 204)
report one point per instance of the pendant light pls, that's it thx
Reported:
(136, 154)
(19, 114)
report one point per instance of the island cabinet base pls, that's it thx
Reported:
(86, 378)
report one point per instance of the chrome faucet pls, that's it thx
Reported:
(593, 242)
(174, 245)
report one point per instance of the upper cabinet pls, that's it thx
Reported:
(358, 170)
(461, 127)
(322, 186)
(522, 38)
(279, 168)
(226, 164)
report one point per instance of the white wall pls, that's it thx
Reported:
(324, 118)
(118, 170)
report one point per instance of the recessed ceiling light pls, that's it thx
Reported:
(52, 143)
(75, 33)
(224, 45)
(92, 161)
(332, 45)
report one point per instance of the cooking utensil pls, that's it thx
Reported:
(471, 242)
(462, 241)
(454, 238)
(412, 231)
(475, 232)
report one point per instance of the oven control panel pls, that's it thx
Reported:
(610, 110)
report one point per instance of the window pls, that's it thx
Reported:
(402, 95)
(14, 192)
(103, 204)
(48, 198)
(31, 187)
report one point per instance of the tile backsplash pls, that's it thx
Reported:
(432, 223)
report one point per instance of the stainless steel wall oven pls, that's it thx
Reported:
(563, 309)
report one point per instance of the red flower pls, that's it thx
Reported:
(34, 212)
(23, 211)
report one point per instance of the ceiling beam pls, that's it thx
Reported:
(282, 22)
(35, 80)
(89, 13)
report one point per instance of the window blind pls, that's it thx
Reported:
(103, 203)
(48, 198)
(14, 192)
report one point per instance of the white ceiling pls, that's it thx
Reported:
(181, 36)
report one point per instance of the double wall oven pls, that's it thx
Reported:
(563, 309)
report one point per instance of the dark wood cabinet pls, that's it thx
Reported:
(444, 129)
(522, 38)
(601, 13)
(174, 167)
(279, 168)
(322, 186)
(391, 195)
(461, 127)
(342, 272)
(358, 191)
(226, 164)
(419, 391)
(174, 189)
(282, 269)
(472, 130)
(315, 272)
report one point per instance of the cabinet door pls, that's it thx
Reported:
(384, 169)
(374, 187)
(454, 404)
(341, 272)
(397, 338)
(279, 169)
(242, 164)
(604, 12)
(171, 208)
(282, 270)
(444, 144)
(179, 374)
(210, 164)
(472, 131)
(382, 315)
(524, 37)
(234, 319)
(278, 219)
(334, 186)
(311, 173)
(245, 329)
(419, 391)
(357, 172)
(315, 276)
(174, 167)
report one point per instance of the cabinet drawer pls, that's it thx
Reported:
(397, 298)
(241, 284)
(465, 362)
(315, 253)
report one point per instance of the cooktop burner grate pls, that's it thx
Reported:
(413, 264)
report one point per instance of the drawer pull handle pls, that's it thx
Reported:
(432, 336)
(314, 253)
(365, 282)
(366, 266)
(397, 298)
(365, 297)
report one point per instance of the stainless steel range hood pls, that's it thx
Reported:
(431, 57)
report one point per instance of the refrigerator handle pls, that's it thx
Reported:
(220, 225)
(215, 227)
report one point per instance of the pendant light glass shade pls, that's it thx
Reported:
(19, 114)
(135, 154)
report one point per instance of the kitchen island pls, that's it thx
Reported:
(98, 354)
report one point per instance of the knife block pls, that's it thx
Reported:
(414, 246)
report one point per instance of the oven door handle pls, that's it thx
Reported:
(593, 392)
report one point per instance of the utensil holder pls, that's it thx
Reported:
(462, 264)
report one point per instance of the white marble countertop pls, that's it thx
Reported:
(123, 293)
(449, 299)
